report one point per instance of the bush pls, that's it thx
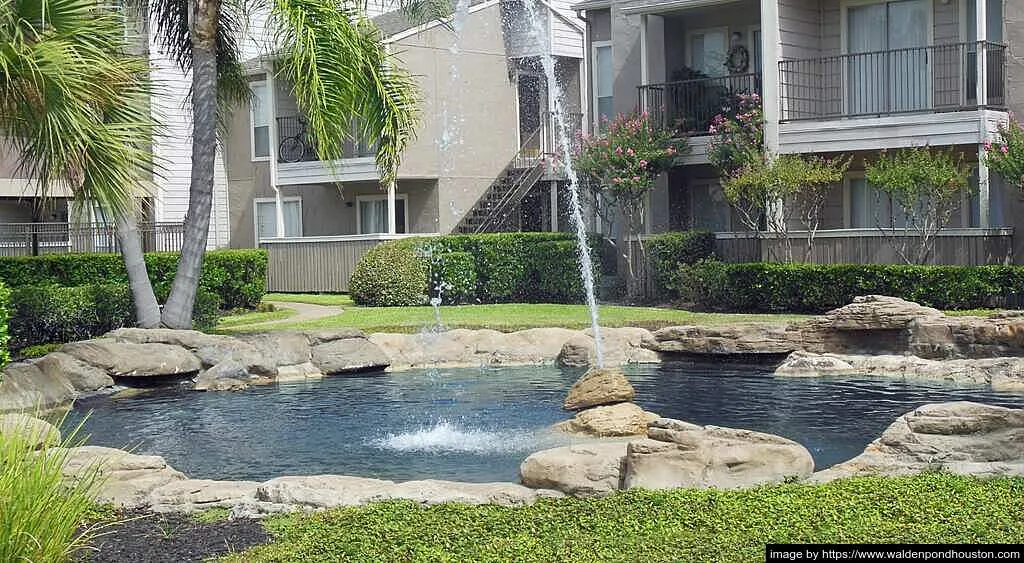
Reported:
(485, 268)
(667, 251)
(5, 318)
(48, 314)
(816, 288)
(392, 274)
(44, 516)
(238, 277)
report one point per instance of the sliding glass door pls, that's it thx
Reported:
(888, 69)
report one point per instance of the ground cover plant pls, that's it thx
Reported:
(682, 525)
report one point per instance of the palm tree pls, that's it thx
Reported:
(332, 56)
(74, 108)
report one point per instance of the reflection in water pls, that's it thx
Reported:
(478, 424)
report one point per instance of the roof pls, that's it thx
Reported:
(396, 21)
(592, 5)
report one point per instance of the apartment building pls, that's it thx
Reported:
(836, 77)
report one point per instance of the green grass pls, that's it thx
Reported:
(254, 317)
(339, 299)
(211, 515)
(972, 313)
(512, 316)
(683, 525)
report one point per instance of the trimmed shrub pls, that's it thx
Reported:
(46, 314)
(556, 277)
(392, 274)
(816, 288)
(454, 274)
(238, 277)
(668, 250)
(5, 318)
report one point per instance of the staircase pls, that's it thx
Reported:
(497, 210)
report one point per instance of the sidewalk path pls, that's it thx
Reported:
(304, 312)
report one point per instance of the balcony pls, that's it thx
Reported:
(298, 162)
(886, 99)
(33, 239)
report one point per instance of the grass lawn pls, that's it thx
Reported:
(683, 525)
(504, 317)
(254, 317)
(338, 299)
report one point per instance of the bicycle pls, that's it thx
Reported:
(295, 147)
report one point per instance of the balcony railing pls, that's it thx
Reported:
(913, 80)
(31, 239)
(297, 144)
(687, 107)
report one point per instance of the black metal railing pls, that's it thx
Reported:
(297, 144)
(31, 239)
(917, 79)
(688, 106)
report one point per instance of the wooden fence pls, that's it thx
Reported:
(32, 239)
(318, 264)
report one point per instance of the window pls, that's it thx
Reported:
(604, 83)
(260, 116)
(707, 51)
(871, 208)
(266, 217)
(372, 215)
(754, 46)
(709, 211)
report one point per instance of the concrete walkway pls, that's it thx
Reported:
(304, 312)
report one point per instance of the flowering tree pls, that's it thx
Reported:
(737, 135)
(624, 163)
(1006, 156)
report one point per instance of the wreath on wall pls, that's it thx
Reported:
(738, 59)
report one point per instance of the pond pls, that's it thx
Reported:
(479, 424)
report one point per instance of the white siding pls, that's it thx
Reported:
(845, 135)
(520, 40)
(566, 32)
(799, 28)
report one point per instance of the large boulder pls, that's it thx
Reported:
(622, 419)
(298, 372)
(192, 495)
(280, 348)
(322, 491)
(878, 312)
(432, 491)
(805, 364)
(584, 470)
(126, 479)
(1004, 374)
(228, 375)
(33, 432)
(127, 359)
(346, 355)
(82, 377)
(678, 454)
(211, 349)
(25, 387)
(960, 437)
(968, 337)
(740, 338)
(599, 386)
(472, 348)
(620, 346)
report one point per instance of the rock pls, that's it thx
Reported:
(740, 338)
(191, 339)
(960, 437)
(25, 387)
(228, 375)
(680, 455)
(126, 359)
(82, 377)
(280, 348)
(348, 355)
(432, 491)
(967, 337)
(322, 491)
(34, 432)
(621, 346)
(599, 386)
(191, 495)
(622, 419)
(298, 372)
(805, 364)
(879, 312)
(472, 348)
(126, 480)
(584, 470)
(330, 335)
(243, 353)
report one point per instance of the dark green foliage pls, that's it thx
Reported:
(39, 350)
(667, 251)
(506, 267)
(5, 317)
(815, 288)
(392, 274)
(237, 276)
(52, 313)
(681, 525)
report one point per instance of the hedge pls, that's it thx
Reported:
(486, 268)
(5, 316)
(50, 314)
(668, 251)
(816, 288)
(238, 277)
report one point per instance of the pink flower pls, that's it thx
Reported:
(1005, 149)
(629, 152)
(616, 180)
(643, 164)
(618, 151)
(636, 178)
(987, 145)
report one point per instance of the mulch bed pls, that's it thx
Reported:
(172, 538)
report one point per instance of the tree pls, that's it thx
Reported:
(924, 186)
(74, 109)
(332, 56)
(1006, 156)
(625, 162)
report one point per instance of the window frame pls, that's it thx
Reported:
(252, 123)
(378, 197)
(594, 46)
(256, 213)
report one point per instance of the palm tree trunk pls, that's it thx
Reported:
(178, 309)
(147, 311)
